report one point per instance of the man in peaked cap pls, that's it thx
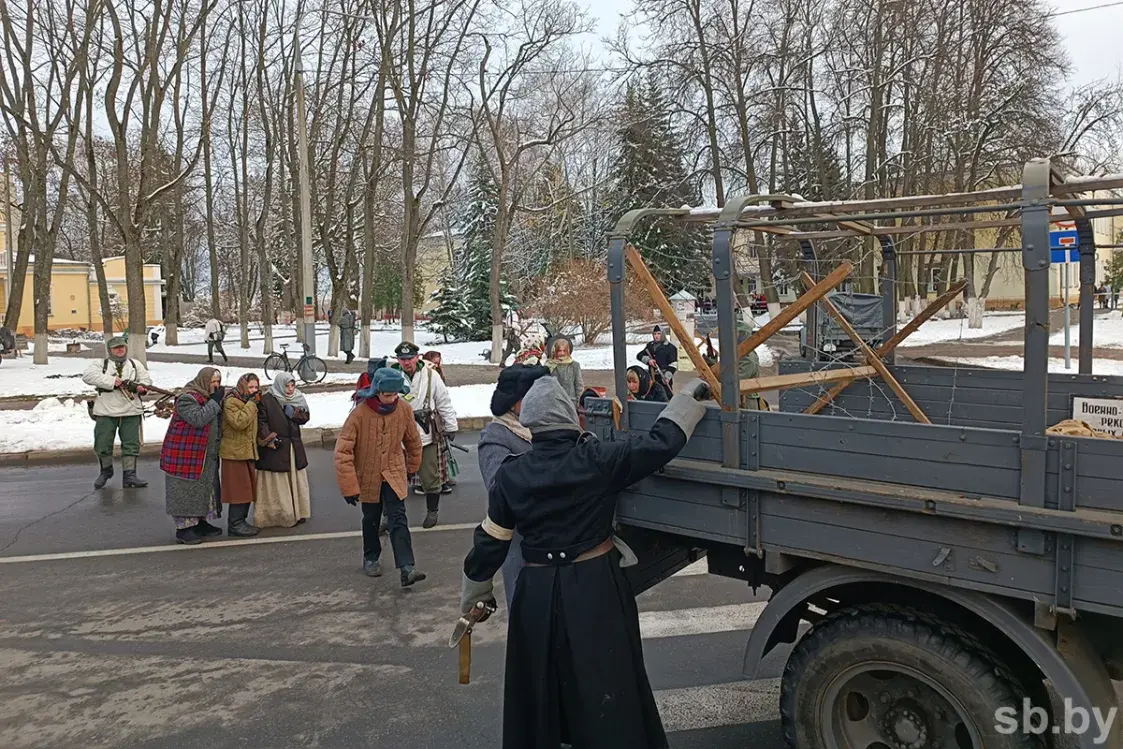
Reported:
(117, 409)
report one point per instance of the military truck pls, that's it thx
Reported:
(938, 577)
(822, 339)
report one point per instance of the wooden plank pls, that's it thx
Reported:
(791, 312)
(779, 382)
(685, 341)
(935, 306)
(871, 358)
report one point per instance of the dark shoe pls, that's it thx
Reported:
(411, 576)
(242, 529)
(188, 536)
(103, 477)
(372, 569)
(130, 481)
(205, 529)
(446, 488)
(430, 519)
(302, 521)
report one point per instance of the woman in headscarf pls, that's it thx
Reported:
(505, 436)
(283, 498)
(239, 454)
(566, 371)
(377, 448)
(643, 387)
(189, 458)
(575, 672)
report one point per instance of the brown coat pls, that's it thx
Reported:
(369, 451)
(239, 429)
(272, 423)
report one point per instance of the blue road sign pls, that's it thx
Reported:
(1063, 240)
(1059, 256)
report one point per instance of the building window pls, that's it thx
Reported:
(935, 279)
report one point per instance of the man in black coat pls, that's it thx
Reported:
(663, 353)
(575, 671)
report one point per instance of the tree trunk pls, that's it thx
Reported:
(134, 284)
(366, 304)
(22, 244)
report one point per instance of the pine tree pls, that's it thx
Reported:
(650, 172)
(449, 319)
(473, 261)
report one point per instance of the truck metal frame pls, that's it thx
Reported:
(982, 524)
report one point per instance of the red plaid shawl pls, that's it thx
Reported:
(185, 447)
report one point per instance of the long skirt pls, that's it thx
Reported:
(283, 499)
(575, 670)
(239, 481)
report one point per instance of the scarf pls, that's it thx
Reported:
(560, 362)
(241, 390)
(385, 409)
(278, 391)
(201, 385)
(511, 421)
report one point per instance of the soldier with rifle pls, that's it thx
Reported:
(117, 409)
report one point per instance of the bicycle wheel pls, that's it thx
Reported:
(274, 364)
(311, 369)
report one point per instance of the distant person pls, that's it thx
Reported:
(748, 366)
(239, 454)
(377, 448)
(117, 410)
(436, 421)
(348, 325)
(449, 467)
(283, 497)
(564, 369)
(215, 334)
(189, 459)
(663, 353)
(373, 365)
(503, 437)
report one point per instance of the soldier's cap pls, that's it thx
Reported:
(406, 350)
(117, 341)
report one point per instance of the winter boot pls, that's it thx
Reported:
(205, 529)
(372, 568)
(411, 576)
(236, 524)
(106, 471)
(130, 479)
(432, 504)
(188, 536)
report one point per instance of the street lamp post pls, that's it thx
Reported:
(308, 270)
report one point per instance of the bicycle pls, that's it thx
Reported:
(309, 368)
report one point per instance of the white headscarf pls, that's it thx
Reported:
(280, 382)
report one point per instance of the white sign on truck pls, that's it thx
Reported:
(1102, 414)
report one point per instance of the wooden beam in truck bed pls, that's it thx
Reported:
(779, 382)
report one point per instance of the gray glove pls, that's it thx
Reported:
(684, 410)
(472, 592)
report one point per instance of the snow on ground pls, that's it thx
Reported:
(1107, 331)
(943, 331)
(56, 424)
(1017, 363)
(63, 376)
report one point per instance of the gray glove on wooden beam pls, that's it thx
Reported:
(684, 410)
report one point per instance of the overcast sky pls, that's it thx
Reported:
(1092, 38)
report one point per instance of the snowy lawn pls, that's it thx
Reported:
(63, 376)
(64, 424)
(943, 331)
(1107, 331)
(1017, 363)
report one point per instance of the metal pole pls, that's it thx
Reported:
(1068, 315)
(616, 271)
(307, 268)
(1087, 238)
(889, 295)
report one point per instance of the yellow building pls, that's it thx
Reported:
(74, 297)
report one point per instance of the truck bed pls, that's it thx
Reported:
(938, 502)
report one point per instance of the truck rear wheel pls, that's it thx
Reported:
(878, 677)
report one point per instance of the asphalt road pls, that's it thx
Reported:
(113, 636)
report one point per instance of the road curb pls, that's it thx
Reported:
(315, 437)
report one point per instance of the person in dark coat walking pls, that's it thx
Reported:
(503, 437)
(663, 353)
(348, 326)
(574, 671)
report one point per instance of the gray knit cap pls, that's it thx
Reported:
(547, 408)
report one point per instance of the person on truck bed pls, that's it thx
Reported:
(663, 353)
(643, 387)
(574, 672)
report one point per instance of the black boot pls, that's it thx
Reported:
(236, 524)
(188, 536)
(432, 504)
(106, 471)
(205, 529)
(130, 480)
(411, 576)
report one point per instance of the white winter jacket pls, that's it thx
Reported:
(428, 390)
(214, 330)
(103, 374)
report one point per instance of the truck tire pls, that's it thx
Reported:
(889, 677)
